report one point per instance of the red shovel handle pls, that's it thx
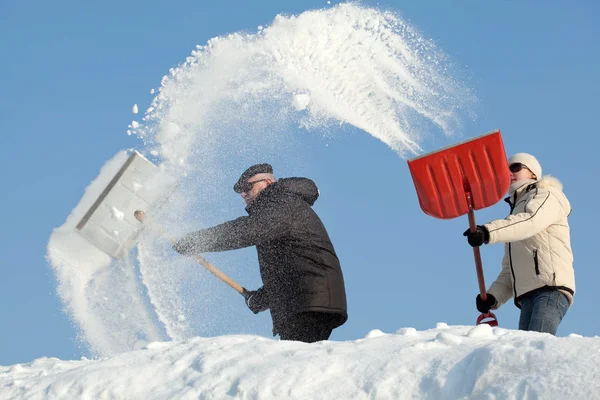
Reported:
(479, 267)
(492, 322)
(476, 253)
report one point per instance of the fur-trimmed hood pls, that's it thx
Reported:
(554, 186)
(547, 182)
(550, 181)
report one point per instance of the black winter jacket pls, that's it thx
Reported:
(298, 264)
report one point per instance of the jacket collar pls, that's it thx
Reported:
(518, 188)
(262, 198)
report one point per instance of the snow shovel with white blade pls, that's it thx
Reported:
(143, 218)
(462, 178)
(109, 222)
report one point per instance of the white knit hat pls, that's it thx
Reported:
(529, 161)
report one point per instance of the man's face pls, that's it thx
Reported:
(255, 185)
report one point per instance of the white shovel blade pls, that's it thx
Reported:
(110, 223)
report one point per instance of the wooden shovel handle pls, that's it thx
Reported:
(141, 216)
(213, 270)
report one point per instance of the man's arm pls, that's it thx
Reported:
(236, 234)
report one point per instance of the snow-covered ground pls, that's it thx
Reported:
(447, 362)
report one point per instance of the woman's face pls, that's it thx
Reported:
(520, 172)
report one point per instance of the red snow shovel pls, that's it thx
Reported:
(460, 179)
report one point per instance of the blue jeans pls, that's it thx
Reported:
(543, 310)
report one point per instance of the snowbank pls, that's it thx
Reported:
(448, 362)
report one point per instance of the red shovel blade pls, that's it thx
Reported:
(493, 321)
(442, 178)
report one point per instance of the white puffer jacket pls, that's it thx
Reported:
(538, 244)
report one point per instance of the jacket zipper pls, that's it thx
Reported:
(512, 271)
(535, 260)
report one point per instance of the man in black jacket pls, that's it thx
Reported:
(303, 285)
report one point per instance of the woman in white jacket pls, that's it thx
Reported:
(537, 268)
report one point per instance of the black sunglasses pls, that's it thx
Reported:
(516, 167)
(247, 186)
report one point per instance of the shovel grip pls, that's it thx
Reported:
(487, 318)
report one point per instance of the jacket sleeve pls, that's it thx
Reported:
(541, 211)
(502, 288)
(236, 234)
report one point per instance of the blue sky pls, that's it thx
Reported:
(72, 72)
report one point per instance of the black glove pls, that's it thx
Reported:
(185, 245)
(479, 237)
(256, 300)
(485, 306)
